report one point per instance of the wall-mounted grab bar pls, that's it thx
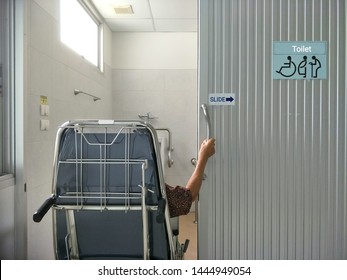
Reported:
(170, 148)
(207, 117)
(77, 91)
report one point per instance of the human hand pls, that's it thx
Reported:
(207, 148)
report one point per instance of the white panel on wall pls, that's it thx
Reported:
(155, 50)
(276, 188)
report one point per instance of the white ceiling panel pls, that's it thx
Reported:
(106, 8)
(150, 15)
(133, 25)
(175, 25)
(174, 9)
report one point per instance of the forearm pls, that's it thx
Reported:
(195, 181)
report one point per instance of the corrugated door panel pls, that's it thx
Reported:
(276, 188)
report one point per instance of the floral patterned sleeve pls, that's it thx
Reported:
(179, 200)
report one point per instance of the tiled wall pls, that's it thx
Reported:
(53, 70)
(170, 96)
(157, 73)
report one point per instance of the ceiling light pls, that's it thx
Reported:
(124, 10)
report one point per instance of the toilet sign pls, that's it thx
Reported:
(221, 99)
(299, 60)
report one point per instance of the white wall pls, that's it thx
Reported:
(53, 70)
(155, 50)
(157, 73)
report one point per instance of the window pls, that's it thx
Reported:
(81, 30)
(6, 144)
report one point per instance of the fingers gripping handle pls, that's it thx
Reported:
(207, 118)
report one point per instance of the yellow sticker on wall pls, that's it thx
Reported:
(43, 100)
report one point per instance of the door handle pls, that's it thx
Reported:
(194, 160)
(207, 118)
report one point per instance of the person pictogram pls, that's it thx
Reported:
(302, 69)
(315, 65)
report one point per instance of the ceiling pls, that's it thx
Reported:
(150, 15)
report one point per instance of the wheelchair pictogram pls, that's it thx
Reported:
(301, 67)
(288, 69)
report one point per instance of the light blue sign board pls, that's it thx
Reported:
(221, 99)
(299, 60)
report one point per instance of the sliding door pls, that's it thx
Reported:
(277, 187)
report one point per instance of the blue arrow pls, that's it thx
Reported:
(231, 99)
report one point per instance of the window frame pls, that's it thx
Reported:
(90, 9)
(7, 124)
